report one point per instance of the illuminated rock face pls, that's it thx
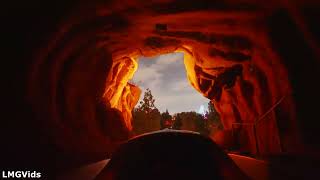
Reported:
(122, 95)
(244, 88)
(79, 82)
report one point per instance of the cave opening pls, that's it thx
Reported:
(166, 77)
(168, 100)
(227, 84)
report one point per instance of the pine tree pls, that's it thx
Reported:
(146, 117)
(147, 104)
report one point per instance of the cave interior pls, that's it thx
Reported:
(67, 66)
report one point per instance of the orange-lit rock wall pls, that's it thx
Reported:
(119, 93)
(243, 90)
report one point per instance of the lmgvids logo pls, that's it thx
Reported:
(21, 174)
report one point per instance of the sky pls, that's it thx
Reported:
(165, 76)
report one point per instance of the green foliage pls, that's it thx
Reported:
(147, 104)
(165, 116)
(177, 124)
(191, 121)
(213, 117)
(196, 122)
(146, 117)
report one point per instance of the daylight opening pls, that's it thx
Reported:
(168, 100)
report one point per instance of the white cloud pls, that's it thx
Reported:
(180, 85)
(168, 59)
(166, 77)
(146, 74)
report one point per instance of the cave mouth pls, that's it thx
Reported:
(166, 77)
(235, 88)
(238, 72)
(168, 99)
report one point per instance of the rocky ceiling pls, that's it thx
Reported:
(237, 54)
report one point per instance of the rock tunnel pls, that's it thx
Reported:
(250, 58)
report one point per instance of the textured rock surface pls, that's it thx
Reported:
(228, 58)
(119, 93)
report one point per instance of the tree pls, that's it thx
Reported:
(197, 122)
(177, 123)
(191, 121)
(166, 120)
(201, 124)
(213, 118)
(146, 117)
(147, 104)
